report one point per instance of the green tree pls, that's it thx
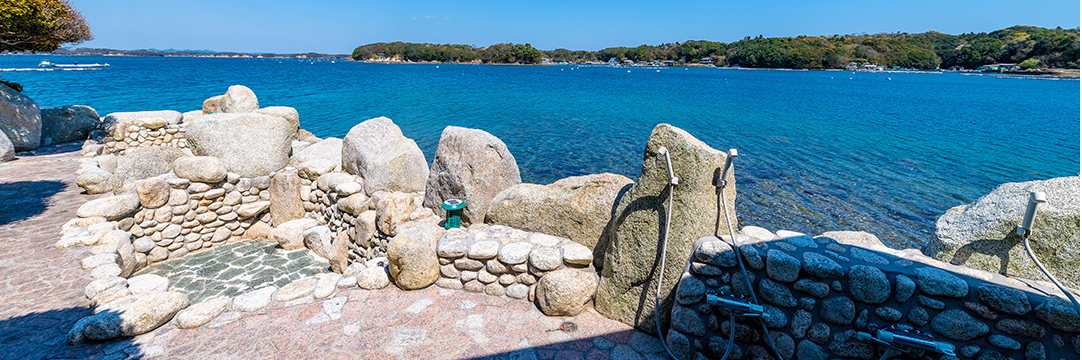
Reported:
(1030, 64)
(40, 25)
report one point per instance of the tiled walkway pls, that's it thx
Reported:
(41, 297)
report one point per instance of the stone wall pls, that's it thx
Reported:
(337, 199)
(818, 293)
(502, 261)
(129, 135)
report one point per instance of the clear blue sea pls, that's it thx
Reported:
(885, 153)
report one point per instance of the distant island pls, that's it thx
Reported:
(1018, 47)
(188, 53)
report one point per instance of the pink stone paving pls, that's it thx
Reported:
(41, 297)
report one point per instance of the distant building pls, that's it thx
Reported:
(670, 63)
(706, 60)
(852, 66)
(612, 61)
(999, 67)
(629, 62)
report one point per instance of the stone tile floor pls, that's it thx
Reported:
(41, 297)
(234, 269)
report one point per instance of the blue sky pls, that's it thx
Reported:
(338, 26)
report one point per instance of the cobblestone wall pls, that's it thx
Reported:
(819, 293)
(502, 261)
(128, 135)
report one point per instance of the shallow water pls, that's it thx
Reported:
(820, 150)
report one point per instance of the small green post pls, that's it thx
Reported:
(454, 213)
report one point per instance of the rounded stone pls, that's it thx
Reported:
(821, 266)
(373, 278)
(153, 193)
(801, 322)
(838, 311)
(958, 325)
(565, 292)
(204, 169)
(518, 291)
(1004, 342)
(776, 294)
(515, 253)
(199, 314)
(937, 282)
(904, 288)
(545, 258)
(485, 277)
(296, 290)
(506, 279)
(781, 266)
(918, 316)
(577, 254)
(868, 284)
(452, 248)
(1058, 313)
(690, 290)
(143, 244)
(686, 320)
(717, 253)
(484, 250)
(494, 289)
(813, 288)
(473, 286)
(888, 313)
(1003, 299)
(1020, 328)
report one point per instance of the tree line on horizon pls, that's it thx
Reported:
(1030, 46)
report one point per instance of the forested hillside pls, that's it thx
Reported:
(1031, 46)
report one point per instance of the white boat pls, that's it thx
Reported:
(49, 64)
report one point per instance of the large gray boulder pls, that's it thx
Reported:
(139, 316)
(110, 207)
(470, 165)
(388, 161)
(204, 169)
(68, 123)
(7, 150)
(577, 208)
(630, 249)
(285, 202)
(140, 117)
(239, 99)
(20, 119)
(565, 292)
(411, 255)
(250, 145)
(328, 151)
(285, 112)
(144, 162)
(981, 235)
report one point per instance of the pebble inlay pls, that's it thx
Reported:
(233, 269)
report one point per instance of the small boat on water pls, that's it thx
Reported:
(49, 64)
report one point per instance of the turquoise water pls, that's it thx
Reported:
(880, 152)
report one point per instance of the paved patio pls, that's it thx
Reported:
(41, 297)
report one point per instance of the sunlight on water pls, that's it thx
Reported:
(820, 152)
